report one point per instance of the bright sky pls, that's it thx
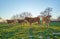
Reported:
(8, 8)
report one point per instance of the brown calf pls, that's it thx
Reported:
(11, 21)
(21, 21)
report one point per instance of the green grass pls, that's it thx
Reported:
(8, 31)
(55, 24)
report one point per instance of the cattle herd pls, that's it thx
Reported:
(45, 20)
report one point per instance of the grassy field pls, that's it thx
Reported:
(8, 31)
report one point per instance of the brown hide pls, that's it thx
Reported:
(11, 21)
(20, 21)
(32, 20)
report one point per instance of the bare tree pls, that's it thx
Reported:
(25, 14)
(22, 15)
(46, 12)
(59, 18)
